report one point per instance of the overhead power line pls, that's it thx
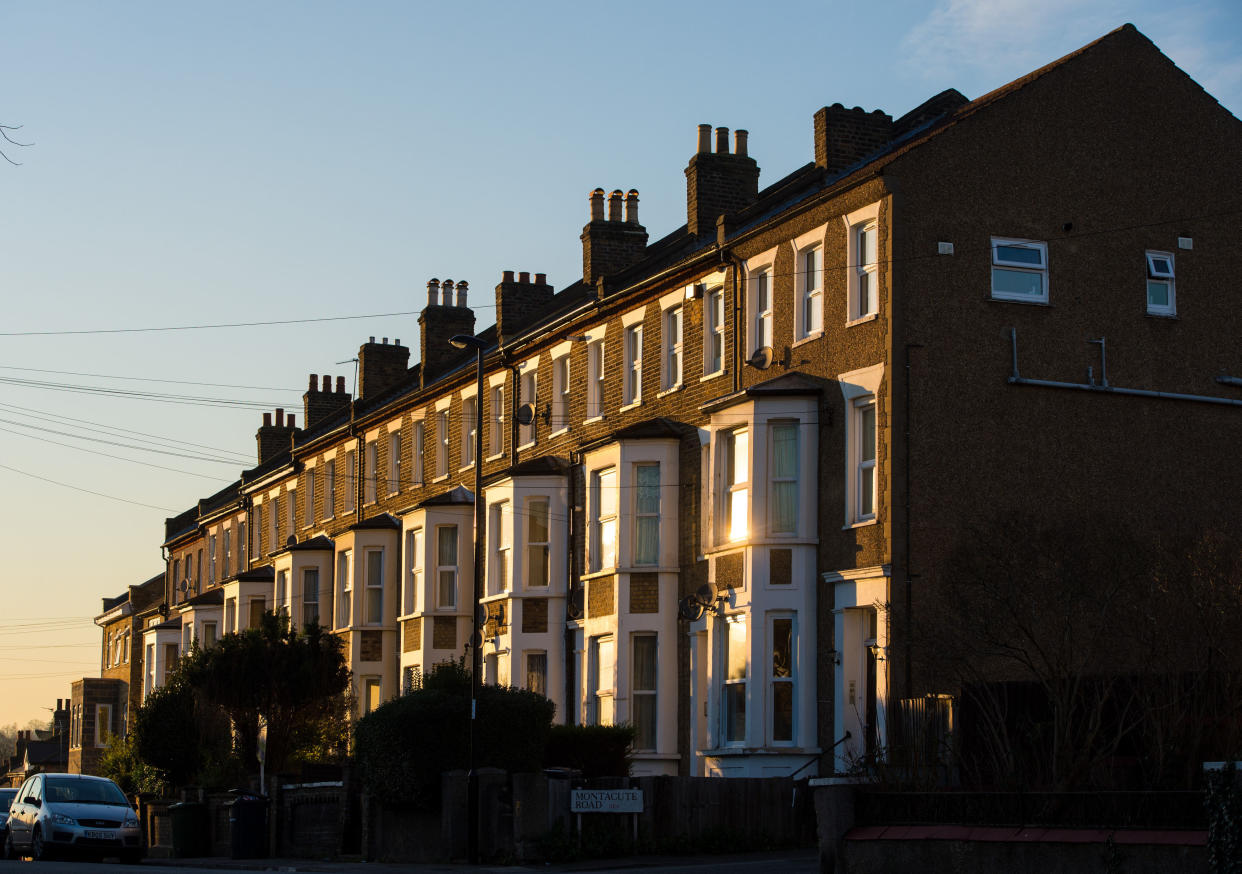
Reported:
(146, 378)
(193, 400)
(87, 491)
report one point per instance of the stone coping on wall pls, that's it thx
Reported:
(1001, 834)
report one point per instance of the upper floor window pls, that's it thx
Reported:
(416, 454)
(864, 457)
(761, 286)
(310, 596)
(603, 519)
(446, 567)
(864, 258)
(211, 559)
(537, 542)
(351, 489)
(329, 489)
(228, 552)
(528, 394)
(561, 387)
(672, 348)
(735, 499)
(414, 574)
(280, 603)
(1161, 300)
(344, 587)
(394, 461)
(308, 510)
(375, 586)
(442, 443)
(1019, 270)
(646, 514)
(860, 389)
(810, 285)
(291, 511)
(783, 513)
(371, 471)
(502, 546)
(595, 379)
(633, 365)
(273, 527)
(469, 429)
(496, 441)
(713, 331)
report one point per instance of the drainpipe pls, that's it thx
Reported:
(571, 580)
(909, 575)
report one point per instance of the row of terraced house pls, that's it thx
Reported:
(723, 470)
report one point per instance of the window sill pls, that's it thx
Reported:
(559, 431)
(630, 406)
(715, 374)
(1170, 317)
(602, 572)
(439, 479)
(1031, 301)
(466, 468)
(591, 420)
(495, 456)
(527, 445)
(672, 389)
(870, 317)
(860, 524)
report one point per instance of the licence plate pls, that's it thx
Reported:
(101, 836)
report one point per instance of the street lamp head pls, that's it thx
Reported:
(467, 341)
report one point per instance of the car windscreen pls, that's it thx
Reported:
(83, 792)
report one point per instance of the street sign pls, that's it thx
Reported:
(606, 801)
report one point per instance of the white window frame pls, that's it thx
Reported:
(596, 375)
(280, 600)
(394, 461)
(760, 288)
(538, 551)
(211, 559)
(672, 341)
(859, 271)
(774, 680)
(370, 471)
(273, 525)
(418, 437)
(308, 504)
(734, 491)
(227, 561)
(291, 511)
(501, 531)
(713, 331)
(649, 696)
(329, 488)
(562, 391)
(529, 656)
(1161, 270)
(792, 479)
(414, 556)
(528, 393)
(1008, 265)
(603, 526)
(737, 685)
(373, 584)
(469, 425)
(351, 486)
(496, 421)
(452, 568)
(442, 443)
(344, 587)
(370, 684)
(809, 284)
(858, 389)
(103, 724)
(632, 375)
(601, 669)
(307, 600)
(640, 514)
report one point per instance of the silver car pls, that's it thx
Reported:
(72, 813)
(6, 798)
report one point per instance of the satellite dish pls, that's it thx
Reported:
(184, 586)
(481, 614)
(573, 609)
(705, 595)
(476, 639)
(525, 414)
(163, 610)
(291, 540)
(690, 609)
(762, 359)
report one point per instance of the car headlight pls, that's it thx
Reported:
(61, 819)
(131, 821)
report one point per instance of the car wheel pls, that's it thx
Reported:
(39, 850)
(8, 852)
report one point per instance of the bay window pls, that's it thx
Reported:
(375, 586)
(736, 671)
(781, 680)
(604, 519)
(646, 513)
(537, 544)
(446, 567)
(643, 698)
(783, 477)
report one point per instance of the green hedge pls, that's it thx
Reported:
(405, 745)
(595, 750)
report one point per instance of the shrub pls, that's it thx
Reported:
(595, 750)
(406, 744)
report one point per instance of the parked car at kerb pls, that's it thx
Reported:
(72, 814)
(6, 798)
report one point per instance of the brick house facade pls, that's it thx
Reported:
(723, 470)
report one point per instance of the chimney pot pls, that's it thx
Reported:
(507, 276)
(446, 290)
(541, 279)
(722, 141)
(631, 206)
(280, 414)
(614, 205)
(289, 421)
(597, 205)
(267, 420)
(372, 340)
(739, 142)
(705, 138)
(524, 277)
(433, 292)
(462, 288)
(385, 341)
(340, 384)
(396, 341)
(327, 383)
(314, 381)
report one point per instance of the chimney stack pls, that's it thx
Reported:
(719, 183)
(381, 365)
(437, 323)
(276, 437)
(319, 404)
(844, 137)
(611, 245)
(520, 303)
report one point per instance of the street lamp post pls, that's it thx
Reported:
(467, 341)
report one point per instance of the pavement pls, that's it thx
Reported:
(788, 862)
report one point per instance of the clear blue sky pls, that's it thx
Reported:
(198, 164)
